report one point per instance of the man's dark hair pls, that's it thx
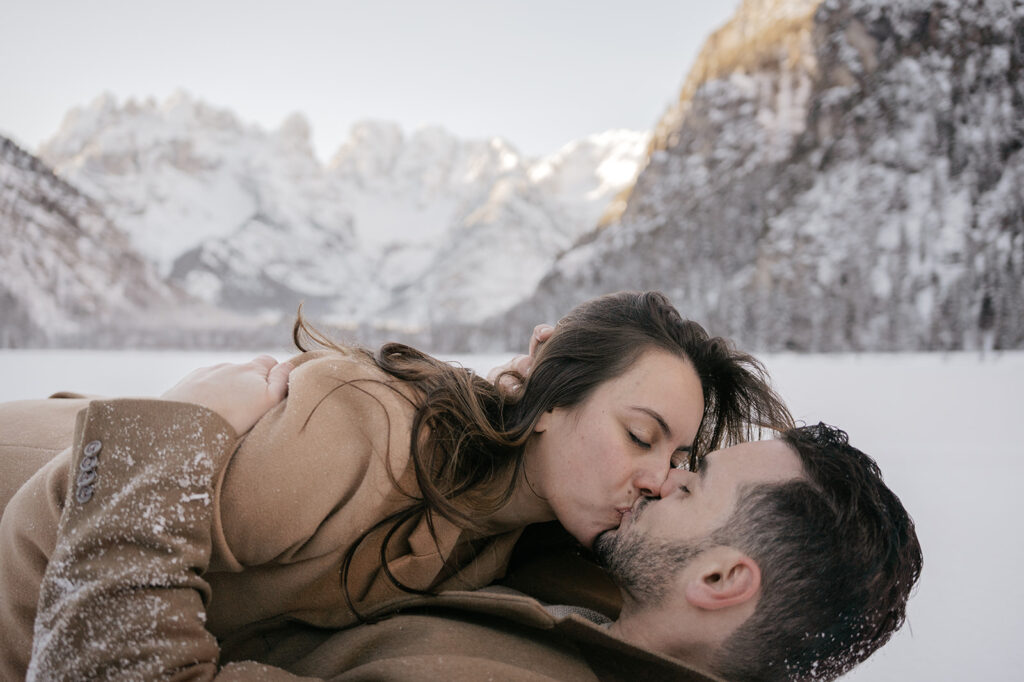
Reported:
(838, 556)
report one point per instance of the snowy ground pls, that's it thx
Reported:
(944, 428)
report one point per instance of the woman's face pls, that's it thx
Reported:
(591, 462)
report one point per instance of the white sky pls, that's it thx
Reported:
(536, 72)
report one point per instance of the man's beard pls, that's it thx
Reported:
(641, 566)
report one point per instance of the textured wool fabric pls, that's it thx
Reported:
(286, 505)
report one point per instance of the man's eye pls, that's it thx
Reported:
(684, 489)
(681, 460)
(637, 441)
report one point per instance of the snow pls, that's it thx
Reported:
(203, 196)
(179, 173)
(943, 427)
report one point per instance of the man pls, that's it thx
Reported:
(773, 560)
(711, 585)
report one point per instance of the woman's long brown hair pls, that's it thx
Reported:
(468, 436)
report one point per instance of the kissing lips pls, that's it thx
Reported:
(640, 504)
(632, 513)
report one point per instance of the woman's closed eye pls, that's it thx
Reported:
(680, 458)
(639, 442)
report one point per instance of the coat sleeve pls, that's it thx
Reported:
(34, 439)
(123, 595)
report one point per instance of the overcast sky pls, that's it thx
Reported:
(538, 73)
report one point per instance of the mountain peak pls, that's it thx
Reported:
(296, 133)
(190, 112)
(762, 33)
(295, 126)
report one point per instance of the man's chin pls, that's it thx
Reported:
(605, 544)
(607, 541)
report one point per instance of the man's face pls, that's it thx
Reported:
(658, 537)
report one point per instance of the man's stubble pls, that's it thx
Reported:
(643, 567)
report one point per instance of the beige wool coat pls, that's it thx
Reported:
(124, 594)
(285, 503)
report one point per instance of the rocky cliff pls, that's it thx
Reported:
(835, 176)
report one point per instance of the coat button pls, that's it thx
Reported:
(88, 463)
(86, 477)
(83, 494)
(93, 447)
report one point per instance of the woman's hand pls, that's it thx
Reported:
(521, 364)
(241, 394)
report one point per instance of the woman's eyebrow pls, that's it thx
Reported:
(656, 417)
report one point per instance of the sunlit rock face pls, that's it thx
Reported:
(836, 176)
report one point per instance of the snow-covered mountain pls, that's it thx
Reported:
(236, 215)
(837, 175)
(399, 231)
(490, 224)
(65, 268)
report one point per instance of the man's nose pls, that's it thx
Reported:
(672, 482)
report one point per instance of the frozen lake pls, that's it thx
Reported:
(945, 428)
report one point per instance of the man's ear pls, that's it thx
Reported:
(727, 577)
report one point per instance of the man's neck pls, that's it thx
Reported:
(664, 631)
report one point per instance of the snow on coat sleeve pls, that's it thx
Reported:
(123, 595)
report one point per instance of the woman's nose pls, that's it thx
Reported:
(650, 478)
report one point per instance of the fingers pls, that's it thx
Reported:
(521, 364)
(240, 393)
(541, 333)
(277, 376)
(277, 380)
(498, 377)
(264, 361)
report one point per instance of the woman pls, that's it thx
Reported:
(395, 473)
